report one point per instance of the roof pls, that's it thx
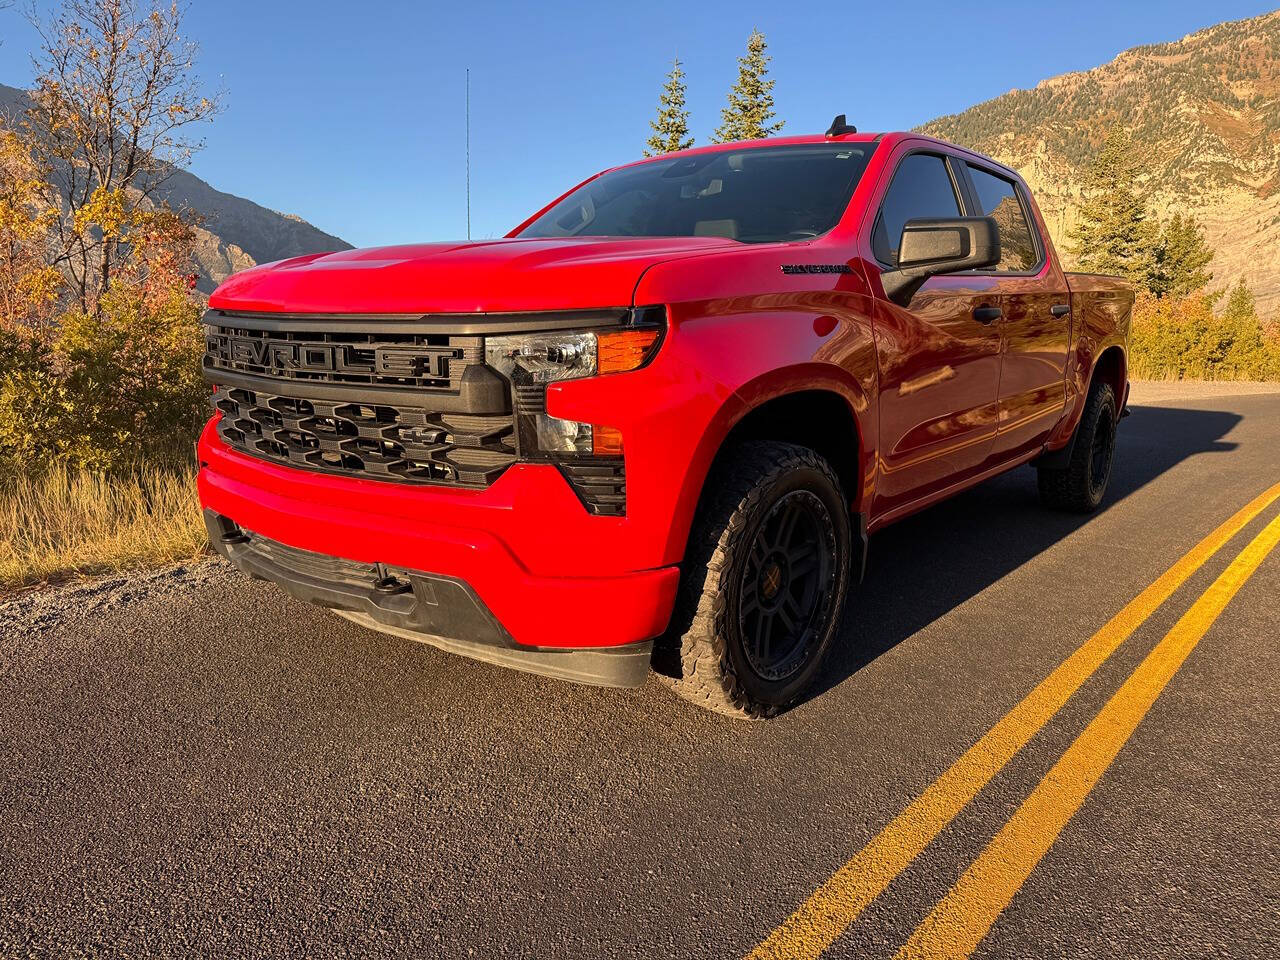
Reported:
(808, 138)
(892, 138)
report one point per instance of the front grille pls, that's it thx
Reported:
(381, 441)
(421, 361)
(359, 398)
(378, 398)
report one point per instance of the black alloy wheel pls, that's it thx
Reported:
(786, 587)
(1103, 453)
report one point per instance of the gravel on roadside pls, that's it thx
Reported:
(42, 609)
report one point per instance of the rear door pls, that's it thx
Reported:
(939, 356)
(1035, 327)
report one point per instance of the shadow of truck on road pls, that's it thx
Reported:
(922, 567)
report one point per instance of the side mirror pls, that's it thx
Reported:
(929, 248)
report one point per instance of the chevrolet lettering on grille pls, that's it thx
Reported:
(286, 355)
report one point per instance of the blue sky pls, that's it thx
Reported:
(351, 114)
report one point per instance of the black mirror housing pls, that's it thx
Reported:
(930, 248)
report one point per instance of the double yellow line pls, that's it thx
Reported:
(960, 921)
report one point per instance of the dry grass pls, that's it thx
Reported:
(66, 523)
(1141, 370)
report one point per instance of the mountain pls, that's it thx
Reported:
(1203, 111)
(235, 233)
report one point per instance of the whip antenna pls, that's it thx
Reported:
(468, 153)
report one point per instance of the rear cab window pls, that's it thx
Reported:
(1000, 199)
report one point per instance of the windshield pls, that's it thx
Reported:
(754, 195)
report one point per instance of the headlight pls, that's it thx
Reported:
(530, 362)
(533, 360)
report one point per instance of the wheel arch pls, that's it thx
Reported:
(1112, 367)
(818, 418)
(812, 406)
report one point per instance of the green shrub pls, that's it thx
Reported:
(104, 391)
(1184, 339)
(34, 408)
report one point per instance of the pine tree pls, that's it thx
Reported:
(1116, 233)
(1181, 259)
(1241, 307)
(749, 113)
(671, 126)
(1247, 351)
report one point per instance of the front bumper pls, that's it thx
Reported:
(525, 546)
(442, 611)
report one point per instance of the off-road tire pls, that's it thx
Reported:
(1080, 485)
(703, 656)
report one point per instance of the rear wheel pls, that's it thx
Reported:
(764, 582)
(1081, 484)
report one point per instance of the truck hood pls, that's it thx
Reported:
(493, 276)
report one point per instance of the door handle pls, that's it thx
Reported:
(1060, 309)
(987, 314)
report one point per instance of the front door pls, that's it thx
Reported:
(939, 355)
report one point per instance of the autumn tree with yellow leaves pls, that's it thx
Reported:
(29, 284)
(114, 107)
(99, 325)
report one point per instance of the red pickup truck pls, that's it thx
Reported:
(653, 426)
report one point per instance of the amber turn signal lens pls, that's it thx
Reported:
(624, 350)
(606, 441)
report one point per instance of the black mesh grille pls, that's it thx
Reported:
(359, 399)
(364, 397)
(420, 361)
(379, 441)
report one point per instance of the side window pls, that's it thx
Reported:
(921, 187)
(999, 199)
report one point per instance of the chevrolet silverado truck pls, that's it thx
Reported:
(653, 426)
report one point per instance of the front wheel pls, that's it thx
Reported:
(764, 582)
(1080, 485)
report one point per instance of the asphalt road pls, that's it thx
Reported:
(194, 763)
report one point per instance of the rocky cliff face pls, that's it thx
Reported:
(235, 233)
(1204, 112)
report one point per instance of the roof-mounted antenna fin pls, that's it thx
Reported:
(839, 127)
